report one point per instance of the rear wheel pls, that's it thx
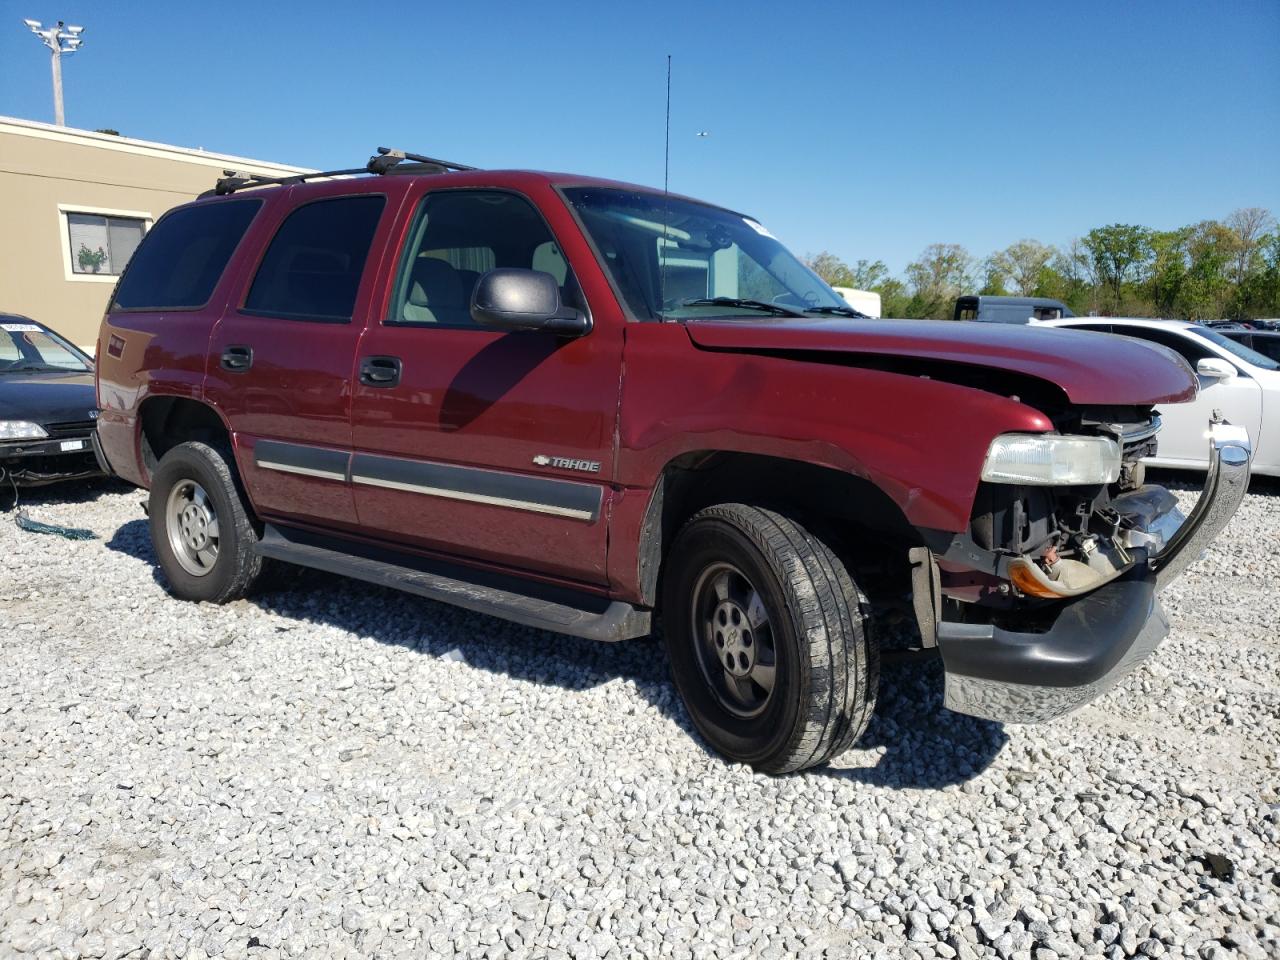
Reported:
(200, 527)
(766, 634)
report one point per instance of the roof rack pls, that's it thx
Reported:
(385, 161)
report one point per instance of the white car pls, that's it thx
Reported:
(1242, 383)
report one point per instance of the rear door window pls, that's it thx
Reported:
(182, 257)
(312, 269)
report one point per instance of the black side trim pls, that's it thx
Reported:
(539, 494)
(544, 607)
(298, 458)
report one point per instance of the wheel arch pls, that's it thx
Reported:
(166, 421)
(839, 504)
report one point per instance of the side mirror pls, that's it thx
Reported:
(509, 298)
(1213, 368)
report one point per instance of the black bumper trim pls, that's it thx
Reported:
(1095, 641)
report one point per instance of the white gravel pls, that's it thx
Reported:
(331, 769)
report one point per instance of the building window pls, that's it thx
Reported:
(102, 245)
(97, 243)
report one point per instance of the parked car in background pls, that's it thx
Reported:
(47, 405)
(1264, 342)
(1010, 309)
(1243, 383)
(574, 403)
(866, 302)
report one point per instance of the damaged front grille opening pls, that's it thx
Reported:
(1062, 542)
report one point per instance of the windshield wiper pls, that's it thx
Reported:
(777, 309)
(32, 367)
(842, 311)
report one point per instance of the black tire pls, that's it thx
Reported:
(826, 666)
(233, 566)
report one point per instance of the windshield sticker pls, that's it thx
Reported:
(758, 228)
(20, 327)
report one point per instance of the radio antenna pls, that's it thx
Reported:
(666, 197)
(666, 157)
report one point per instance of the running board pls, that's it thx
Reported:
(557, 609)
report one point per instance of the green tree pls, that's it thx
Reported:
(1211, 248)
(1119, 253)
(894, 298)
(992, 279)
(943, 272)
(1168, 271)
(1022, 265)
(870, 275)
(1249, 226)
(831, 269)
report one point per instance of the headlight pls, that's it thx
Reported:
(21, 430)
(1052, 460)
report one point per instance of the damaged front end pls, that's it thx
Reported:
(1050, 598)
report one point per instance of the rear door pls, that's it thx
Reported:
(280, 359)
(492, 445)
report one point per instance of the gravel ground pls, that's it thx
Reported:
(332, 769)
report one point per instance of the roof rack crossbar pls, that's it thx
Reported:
(396, 156)
(386, 160)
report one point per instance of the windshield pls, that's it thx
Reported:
(674, 259)
(26, 346)
(1237, 349)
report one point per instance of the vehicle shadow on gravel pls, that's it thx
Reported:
(924, 745)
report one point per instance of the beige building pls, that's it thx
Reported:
(74, 206)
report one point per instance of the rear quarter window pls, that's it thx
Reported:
(182, 257)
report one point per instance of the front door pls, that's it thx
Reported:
(497, 446)
(281, 358)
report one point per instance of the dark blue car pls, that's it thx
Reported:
(47, 406)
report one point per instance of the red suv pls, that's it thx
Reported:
(573, 403)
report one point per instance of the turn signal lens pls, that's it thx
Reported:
(1025, 580)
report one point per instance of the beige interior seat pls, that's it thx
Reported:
(436, 294)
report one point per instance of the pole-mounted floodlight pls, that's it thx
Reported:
(62, 40)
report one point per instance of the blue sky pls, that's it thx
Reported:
(869, 129)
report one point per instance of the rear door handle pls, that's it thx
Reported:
(237, 359)
(380, 371)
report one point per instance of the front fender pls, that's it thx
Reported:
(920, 441)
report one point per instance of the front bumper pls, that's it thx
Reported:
(1095, 640)
(34, 462)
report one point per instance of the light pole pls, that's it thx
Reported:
(60, 39)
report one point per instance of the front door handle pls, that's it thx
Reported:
(237, 359)
(380, 371)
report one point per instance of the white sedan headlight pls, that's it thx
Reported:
(1052, 460)
(21, 430)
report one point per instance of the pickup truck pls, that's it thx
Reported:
(597, 408)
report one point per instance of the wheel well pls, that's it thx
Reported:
(168, 421)
(864, 527)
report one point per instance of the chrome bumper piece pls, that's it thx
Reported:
(1224, 488)
(1097, 639)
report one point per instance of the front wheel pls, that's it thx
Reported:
(766, 634)
(200, 529)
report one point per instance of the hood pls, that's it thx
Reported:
(1090, 368)
(47, 397)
